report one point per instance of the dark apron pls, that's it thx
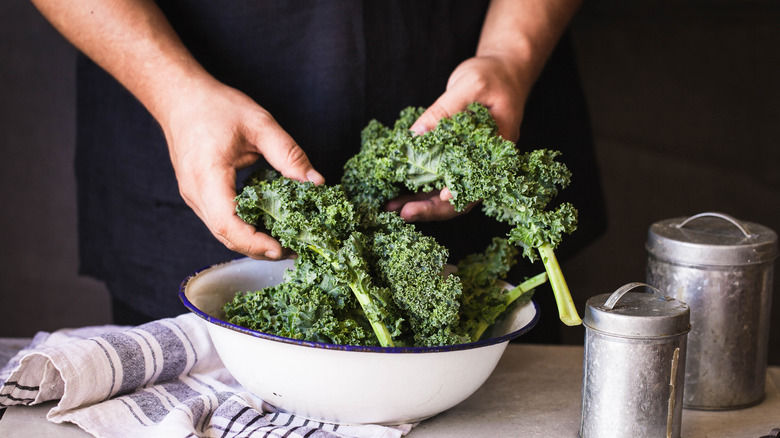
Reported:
(323, 69)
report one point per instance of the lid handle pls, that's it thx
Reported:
(723, 216)
(618, 294)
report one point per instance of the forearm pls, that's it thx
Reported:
(133, 41)
(525, 32)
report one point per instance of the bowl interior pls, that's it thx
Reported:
(207, 290)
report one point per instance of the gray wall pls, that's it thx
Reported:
(684, 96)
(39, 284)
(685, 102)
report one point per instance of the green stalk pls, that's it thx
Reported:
(510, 297)
(526, 286)
(380, 329)
(566, 309)
(365, 300)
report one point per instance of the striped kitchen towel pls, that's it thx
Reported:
(161, 379)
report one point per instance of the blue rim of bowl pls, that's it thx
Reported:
(357, 348)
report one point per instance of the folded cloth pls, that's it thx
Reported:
(161, 379)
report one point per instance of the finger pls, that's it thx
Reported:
(431, 209)
(396, 204)
(284, 154)
(445, 106)
(445, 194)
(217, 210)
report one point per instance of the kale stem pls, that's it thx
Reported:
(510, 297)
(380, 329)
(566, 309)
(526, 286)
(364, 299)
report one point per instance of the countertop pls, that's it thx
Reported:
(534, 391)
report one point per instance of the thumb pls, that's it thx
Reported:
(284, 155)
(444, 107)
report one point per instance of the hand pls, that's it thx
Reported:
(211, 129)
(212, 132)
(424, 207)
(491, 81)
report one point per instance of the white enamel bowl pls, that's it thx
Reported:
(337, 383)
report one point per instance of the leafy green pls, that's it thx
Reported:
(319, 223)
(363, 276)
(485, 298)
(411, 266)
(309, 305)
(466, 155)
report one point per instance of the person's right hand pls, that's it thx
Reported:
(213, 131)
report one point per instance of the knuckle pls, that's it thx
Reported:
(229, 245)
(220, 230)
(437, 112)
(296, 157)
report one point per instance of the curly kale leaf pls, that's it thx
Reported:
(351, 265)
(393, 270)
(372, 177)
(485, 298)
(465, 154)
(309, 305)
(365, 277)
(304, 217)
(524, 203)
(318, 222)
(411, 265)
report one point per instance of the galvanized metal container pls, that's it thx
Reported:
(723, 269)
(633, 369)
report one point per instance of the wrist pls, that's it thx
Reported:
(523, 34)
(178, 89)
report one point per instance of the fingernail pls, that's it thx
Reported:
(418, 129)
(315, 177)
(271, 255)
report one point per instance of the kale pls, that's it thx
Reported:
(320, 225)
(363, 276)
(485, 298)
(466, 155)
(309, 305)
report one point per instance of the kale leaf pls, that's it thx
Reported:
(363, 276)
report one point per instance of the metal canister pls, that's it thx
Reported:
(633, 369)
(723, 269)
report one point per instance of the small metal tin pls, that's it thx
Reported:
(723, 269)
(635, 349)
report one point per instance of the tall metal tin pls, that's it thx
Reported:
(633, 369)
(723, 269)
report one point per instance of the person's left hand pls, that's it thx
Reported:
(494, 82)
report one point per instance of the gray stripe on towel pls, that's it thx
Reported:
(131, 359)
(172, 349)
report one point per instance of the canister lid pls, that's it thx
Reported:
(637, 315)
(711, 239)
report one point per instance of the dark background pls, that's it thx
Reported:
(685, 105)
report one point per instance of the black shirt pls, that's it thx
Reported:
(323, 69)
